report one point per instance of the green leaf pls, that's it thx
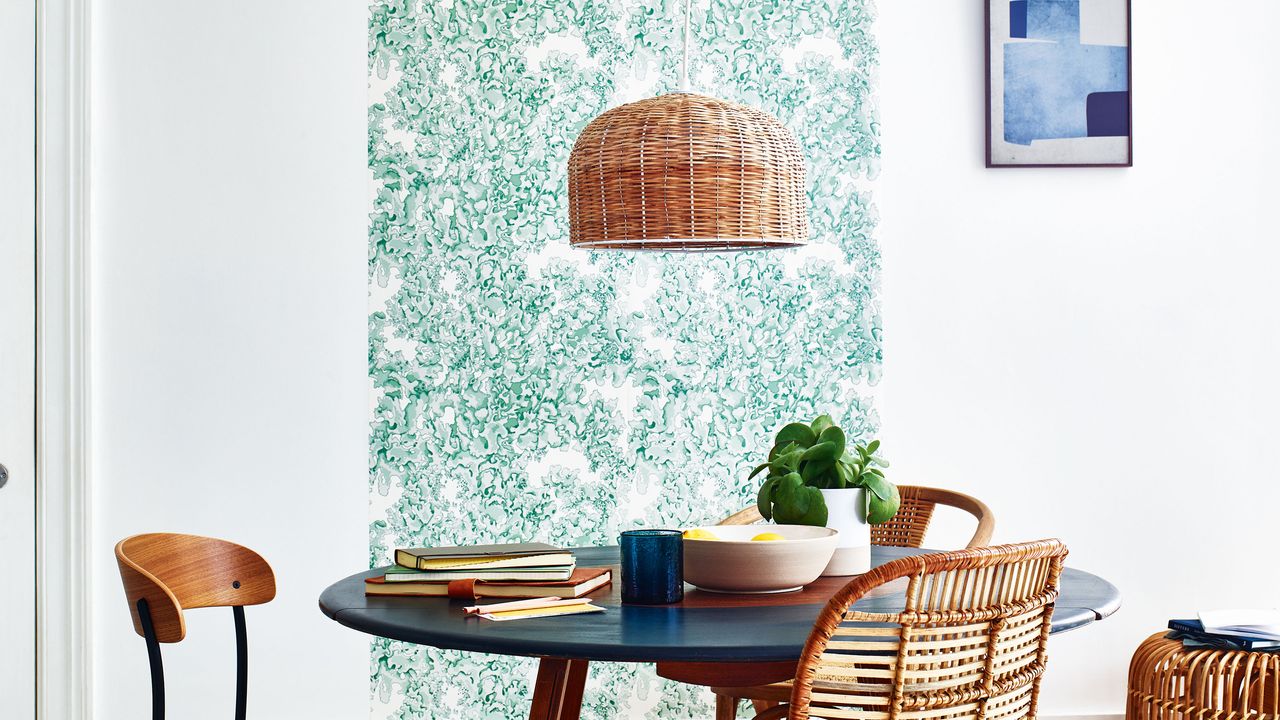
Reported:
(787, 462)
(797, 433)
(782, 449)
(882, 488)
(854, 466)
(881, 510)
(817, 514)
(835, 436)
(789, 503)
(764, 499)
(757, 470)
(815, 470)
(873, 446)
(821, 451)
(799, 504)
(879, 461)
(844, 476)
(789, 508)
(820, 423)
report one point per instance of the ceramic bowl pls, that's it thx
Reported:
(737, 564)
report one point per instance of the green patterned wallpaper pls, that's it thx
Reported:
(523, 390)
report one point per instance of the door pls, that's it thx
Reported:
(17, 360)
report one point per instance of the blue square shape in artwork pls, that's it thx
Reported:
(1107, 114)
(1057, 20)
(1018, 19)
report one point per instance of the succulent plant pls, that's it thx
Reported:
(808, 458)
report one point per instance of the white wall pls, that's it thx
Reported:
(1094, 352)
(229, 251)
(1091, 351)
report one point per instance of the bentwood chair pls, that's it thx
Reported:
(165, 574)
(908, 527)
(969, 643)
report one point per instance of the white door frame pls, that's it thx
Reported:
(63, 511)
(17, 360)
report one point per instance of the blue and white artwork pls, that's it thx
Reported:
(1058, 82)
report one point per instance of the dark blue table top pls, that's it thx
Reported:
(628, 633)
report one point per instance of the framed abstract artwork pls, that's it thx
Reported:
(1059, 83)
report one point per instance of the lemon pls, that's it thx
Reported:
(768, 536)
(700, 534)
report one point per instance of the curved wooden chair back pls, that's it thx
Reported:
(167, 573)
(908, 527)
(970, 641)
(175, 572)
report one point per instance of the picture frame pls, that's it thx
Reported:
(1059, 83)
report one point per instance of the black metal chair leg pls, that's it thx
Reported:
(153, 656)
(242, 662)
(157, 666)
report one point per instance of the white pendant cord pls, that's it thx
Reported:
(684, 69)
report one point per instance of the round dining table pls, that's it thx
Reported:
(707, 638)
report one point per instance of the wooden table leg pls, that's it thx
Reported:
(557, 693)
(726, 707)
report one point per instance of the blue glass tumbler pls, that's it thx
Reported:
(652, 566)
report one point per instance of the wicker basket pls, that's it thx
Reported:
(686, 172)
(1170, 682)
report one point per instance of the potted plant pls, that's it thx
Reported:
(815, 478)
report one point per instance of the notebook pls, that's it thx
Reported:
(521, 611)
(469, 557)
(542, 612)
(1254, 624)
(583, 581)
(397, 573)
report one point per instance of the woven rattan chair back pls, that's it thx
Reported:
(969, 644)
(908, 527)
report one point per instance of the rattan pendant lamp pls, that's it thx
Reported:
(684, 172)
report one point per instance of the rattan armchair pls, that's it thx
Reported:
(969, 643)
(908, 527)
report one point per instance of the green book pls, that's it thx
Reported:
(543, 573)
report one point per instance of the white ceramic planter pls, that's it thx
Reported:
(853, 546)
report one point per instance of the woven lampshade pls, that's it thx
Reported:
(687, 173)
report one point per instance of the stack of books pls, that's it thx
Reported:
(513, 570)
(1255, 630)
